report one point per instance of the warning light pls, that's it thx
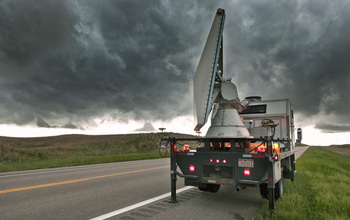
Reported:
(186, 147)
(192, 168)
(224, 161)
(261, 149)
(217, 161)
(211, 160)
(246, 172)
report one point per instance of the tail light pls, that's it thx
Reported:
(261, 149)
(192, 168)
(217, 160)
(186, 147)
(246, 172)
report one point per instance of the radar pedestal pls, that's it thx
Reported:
(227, 124)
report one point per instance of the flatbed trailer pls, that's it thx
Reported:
(263, 161)
(209, 167)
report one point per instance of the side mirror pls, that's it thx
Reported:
(299, 136)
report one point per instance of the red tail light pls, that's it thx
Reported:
(186, 147)
(217, 161)
(261, 149)
(246, 172)
(275, 157)
(192, 168)
(211, 160)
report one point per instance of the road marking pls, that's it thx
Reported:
(77, 180)
(63, 169)
(138, 205)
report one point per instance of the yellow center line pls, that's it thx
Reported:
(77, 180)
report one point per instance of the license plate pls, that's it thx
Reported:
(245, 163)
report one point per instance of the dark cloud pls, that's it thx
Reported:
(331, 128)
(298, 50)
(42, 123)
(147, 127)
(70, 126)
(73, 61)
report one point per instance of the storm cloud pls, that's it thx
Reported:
(73, 61)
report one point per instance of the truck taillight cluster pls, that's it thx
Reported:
(217, 161)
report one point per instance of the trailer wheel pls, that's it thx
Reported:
(279, 188)
(213, 188)
(204, 189)
(263, 190)
(210, 187)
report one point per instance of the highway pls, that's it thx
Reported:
(126, 190)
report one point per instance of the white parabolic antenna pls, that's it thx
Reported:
(211, 89)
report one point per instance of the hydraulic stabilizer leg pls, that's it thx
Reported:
(270, 174)
(271, 199)
(173, 171)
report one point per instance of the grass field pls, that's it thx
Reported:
(69, 150)
(321, 189)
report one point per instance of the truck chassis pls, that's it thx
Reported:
(230, 161)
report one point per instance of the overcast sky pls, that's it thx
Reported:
(65, 63)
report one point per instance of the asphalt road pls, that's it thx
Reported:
(86, 192)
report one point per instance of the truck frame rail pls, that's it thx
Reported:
(240, 162)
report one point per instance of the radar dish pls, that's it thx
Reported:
(204, 80)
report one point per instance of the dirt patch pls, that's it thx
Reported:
(338, 149)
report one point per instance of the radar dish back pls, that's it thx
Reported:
(208, 71)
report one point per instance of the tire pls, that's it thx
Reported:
(213, 188)
(209, 187)
(279, 188)
(263, 190)
(204, 189)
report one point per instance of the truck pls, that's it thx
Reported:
(249, 143)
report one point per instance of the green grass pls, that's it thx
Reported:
(342, 146)
(70, 150)
(62, 162)
(321, 189)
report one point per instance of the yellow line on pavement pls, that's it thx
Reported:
(77, 180)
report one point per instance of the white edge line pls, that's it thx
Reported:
(137, 205)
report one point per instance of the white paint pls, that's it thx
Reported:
(63, 169)
(138, 205)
